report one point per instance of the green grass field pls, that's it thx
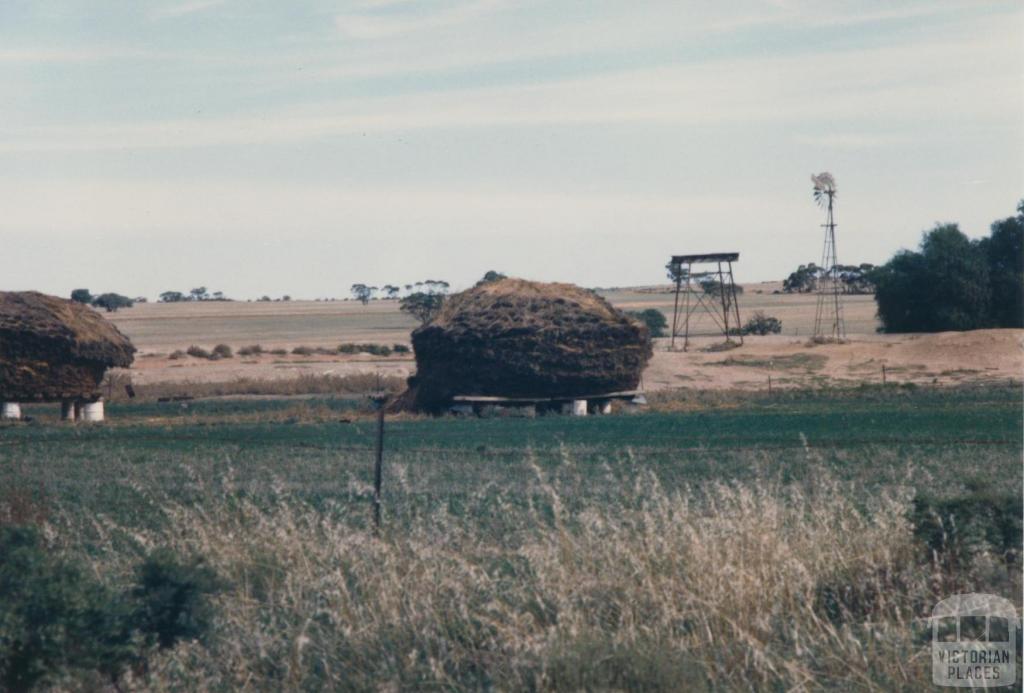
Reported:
(719, 541)
(936, 439)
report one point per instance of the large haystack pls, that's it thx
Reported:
(54, 349)
(515, 338)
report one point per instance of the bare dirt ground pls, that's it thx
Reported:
(789, 358)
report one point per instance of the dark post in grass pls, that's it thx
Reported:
(379, 399)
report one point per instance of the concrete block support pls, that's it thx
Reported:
(10, 410)
(579, 407)
(67, 410)
(605, 407)
(92, 411)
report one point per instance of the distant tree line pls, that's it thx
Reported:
(197, 294)
(954, 283)
(423, 300)
(854, 279)
(364, 293)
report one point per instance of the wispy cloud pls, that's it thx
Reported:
(855, 140)
(885, 90)
(418, 17)
(41, 55)
(180, 9)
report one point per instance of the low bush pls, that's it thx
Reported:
(761, 324)
(251, 350)
(279, 352)
(400, 349)
(955, 529)
(374, 349)
(197, 352)
(303, 351)
(653, 318)
(177, 354)
(172, 598)
(223, 351)
(59, 624)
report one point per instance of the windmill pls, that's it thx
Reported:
(828, 316)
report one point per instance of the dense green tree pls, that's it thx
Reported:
(713, 287)
(675, 272)
(944, 286)
(363, 293)
(81, 296)
(422, 305)
(425, 304)
(111, 302)
(172, 297)
(1004, 251)
(803, 280)
(856, 279)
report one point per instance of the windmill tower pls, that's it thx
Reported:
(828, 316)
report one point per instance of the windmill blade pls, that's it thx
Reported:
(824, 182)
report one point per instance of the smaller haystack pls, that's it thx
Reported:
(517, 338)
(53, 349)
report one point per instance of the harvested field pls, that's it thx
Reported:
(949, 358)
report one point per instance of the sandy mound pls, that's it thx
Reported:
(517, 338)
(52, 348)
(945, 358)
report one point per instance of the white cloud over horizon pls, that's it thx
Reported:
(605, 131)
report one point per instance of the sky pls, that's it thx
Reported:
(265, 147)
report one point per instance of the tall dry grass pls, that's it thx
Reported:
(722, 587)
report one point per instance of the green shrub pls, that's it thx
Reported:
(303, 351)
(55, 619)
(111, 302)
(400, 349)
(172, 598)
(197, 352)
(956, 528)
(654, 319)
(374, 349)
(177, 354)
(251, 350)
(223, 351)
(279, 352)
(762, 324)
(59, 623)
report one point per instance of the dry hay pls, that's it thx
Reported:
(52, 348)
(517, 338)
